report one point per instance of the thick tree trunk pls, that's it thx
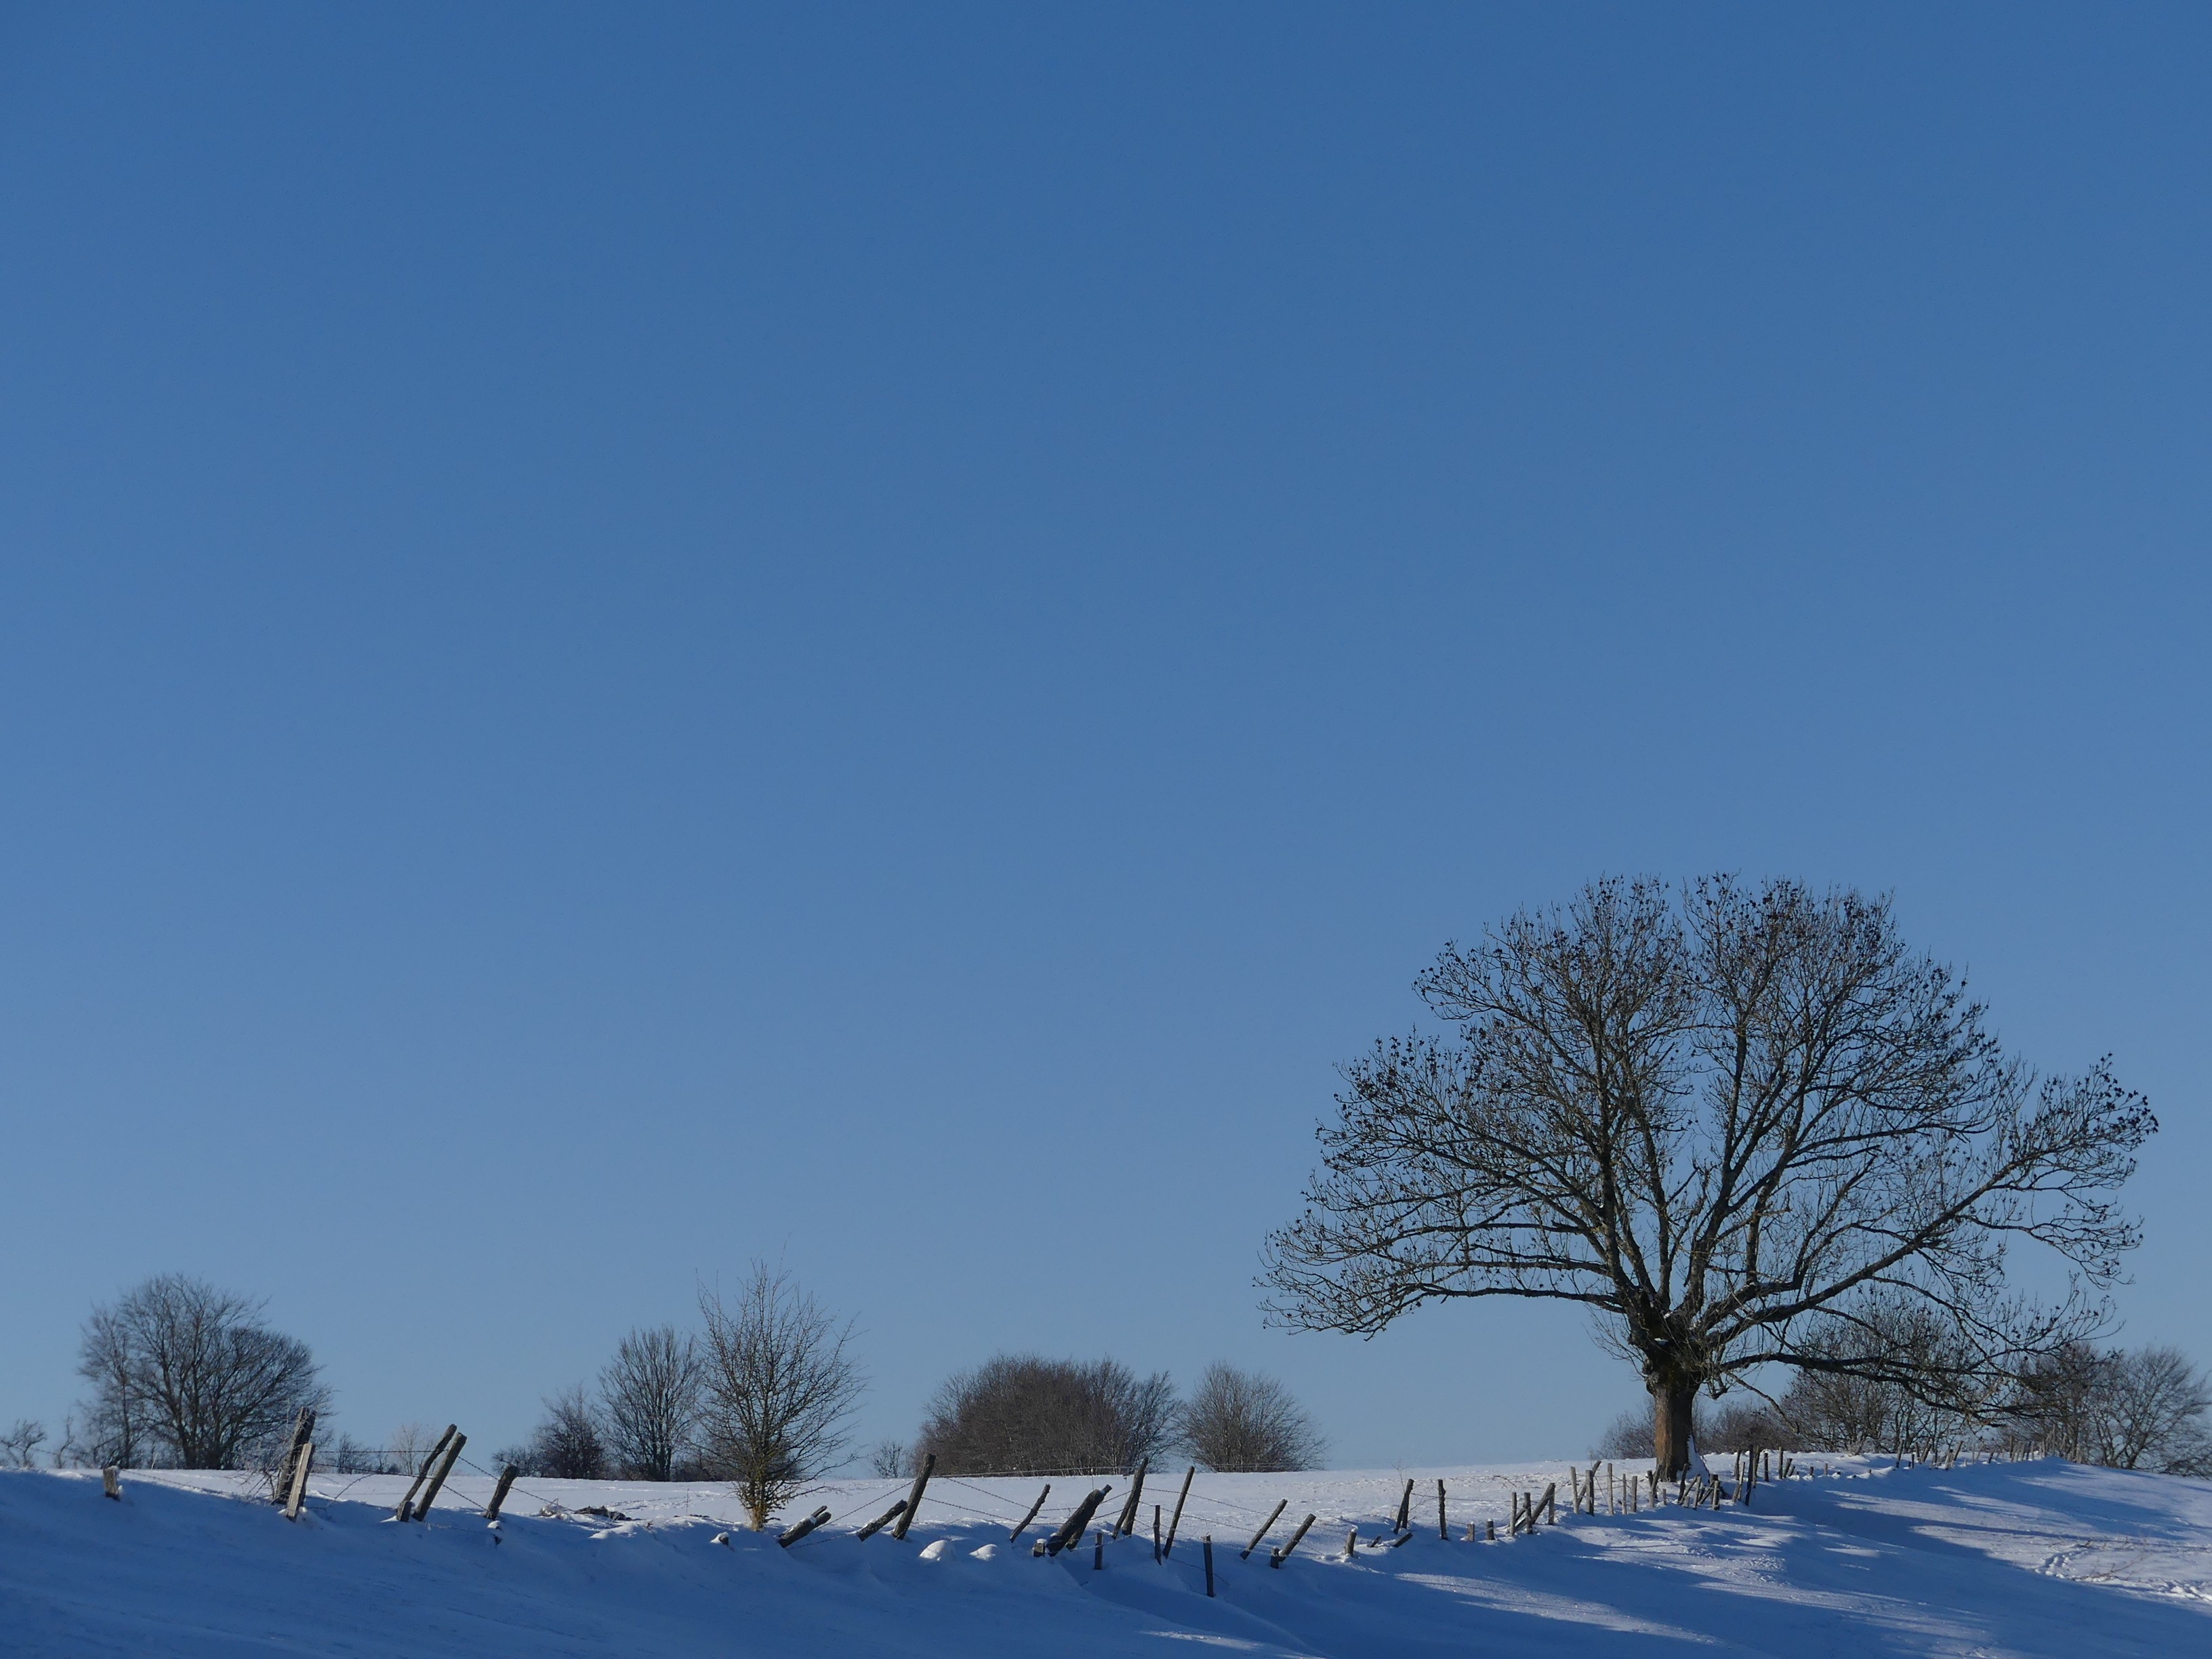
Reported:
(1671, 1407)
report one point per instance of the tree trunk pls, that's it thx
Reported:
(1671, 1407)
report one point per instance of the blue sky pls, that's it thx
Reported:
(879, 633)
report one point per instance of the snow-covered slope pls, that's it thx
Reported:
(2037, 1559)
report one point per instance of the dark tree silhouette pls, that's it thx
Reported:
(1023, 1414)
(1727, 1121)
(1237, 1421)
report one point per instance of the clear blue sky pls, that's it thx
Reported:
(635, 637)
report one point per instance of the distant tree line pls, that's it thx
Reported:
(2143, 1408)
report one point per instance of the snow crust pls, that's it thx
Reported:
(2032, 1558)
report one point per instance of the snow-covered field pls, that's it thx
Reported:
(2040, 1559)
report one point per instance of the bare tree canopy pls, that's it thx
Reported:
(186, 1376)
(1239, 1421)
(1724, 1118)
(1023, 1414)
(780, 1390)
(649, 1399)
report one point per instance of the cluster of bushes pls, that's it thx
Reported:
(2142, 1408)
(1023, 1414)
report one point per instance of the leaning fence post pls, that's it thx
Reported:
(1549, 1505)
(1405, 1506)
(438, 1480)
(1071, 1530)
(885, 1520)
(1012, 1536)
(302, 1460)
(913, 1498)
(1278, 1557)
(1209, 1564)
(1280, 1506)
(499, 1492)
(407, 1504)
(1128, 1523)
(1176, 1520)
(302, 1427)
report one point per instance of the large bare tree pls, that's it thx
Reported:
(649, 1399)
(1729, 1121)
(185, 1374)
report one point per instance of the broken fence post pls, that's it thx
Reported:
(1209, 1564)
(407, 1504)
(804, 1526)
(1352, 1544)
(882, 1520)
(1278, 1557)
(1071, 1530)
(445, 1468)
(1176, 1520)
(302, 1460)
(1282, 1505)
(111, 1482)
(1012, 1536)
(499, 1492)
(914, 1496)
(1098, 1550)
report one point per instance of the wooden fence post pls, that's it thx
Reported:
(302, 1427)
(1352, 1544)
(1016, 1534)
(1128, 1523)
(882, 1521)
(1098, 1550)
(1282, 1505)
(1177, 1519)
(1442, 1531)
(1156, 1532)
(302, 1460)
(438, 1480)
(1405, 1507)
(1549, 1504)
(499, 1492)
(1278, 1557)
(111, 1483)
(1071, 1530)
(407, 1504)
(914, 1497)
(804, 1526)
(1209, 1564)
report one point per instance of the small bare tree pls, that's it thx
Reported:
(1237, 1421)
(780, 1390)
(19, 1446)
(1724, 1120)
(650, 1400)
(187, 1375)
(410, 1444)
(1023, 1414)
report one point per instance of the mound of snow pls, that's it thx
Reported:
(2029, 1559)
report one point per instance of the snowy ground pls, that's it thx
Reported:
(2037, 1558)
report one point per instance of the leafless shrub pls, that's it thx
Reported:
(780, 1387)
(186, 1376)
(1022, 1415)
(409, 1444)
(1239, 1420)
(19, 1446)
(569, 1443)
(1922, 1393)
(649, 1396)
(343, 1455)
(890, 1458)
